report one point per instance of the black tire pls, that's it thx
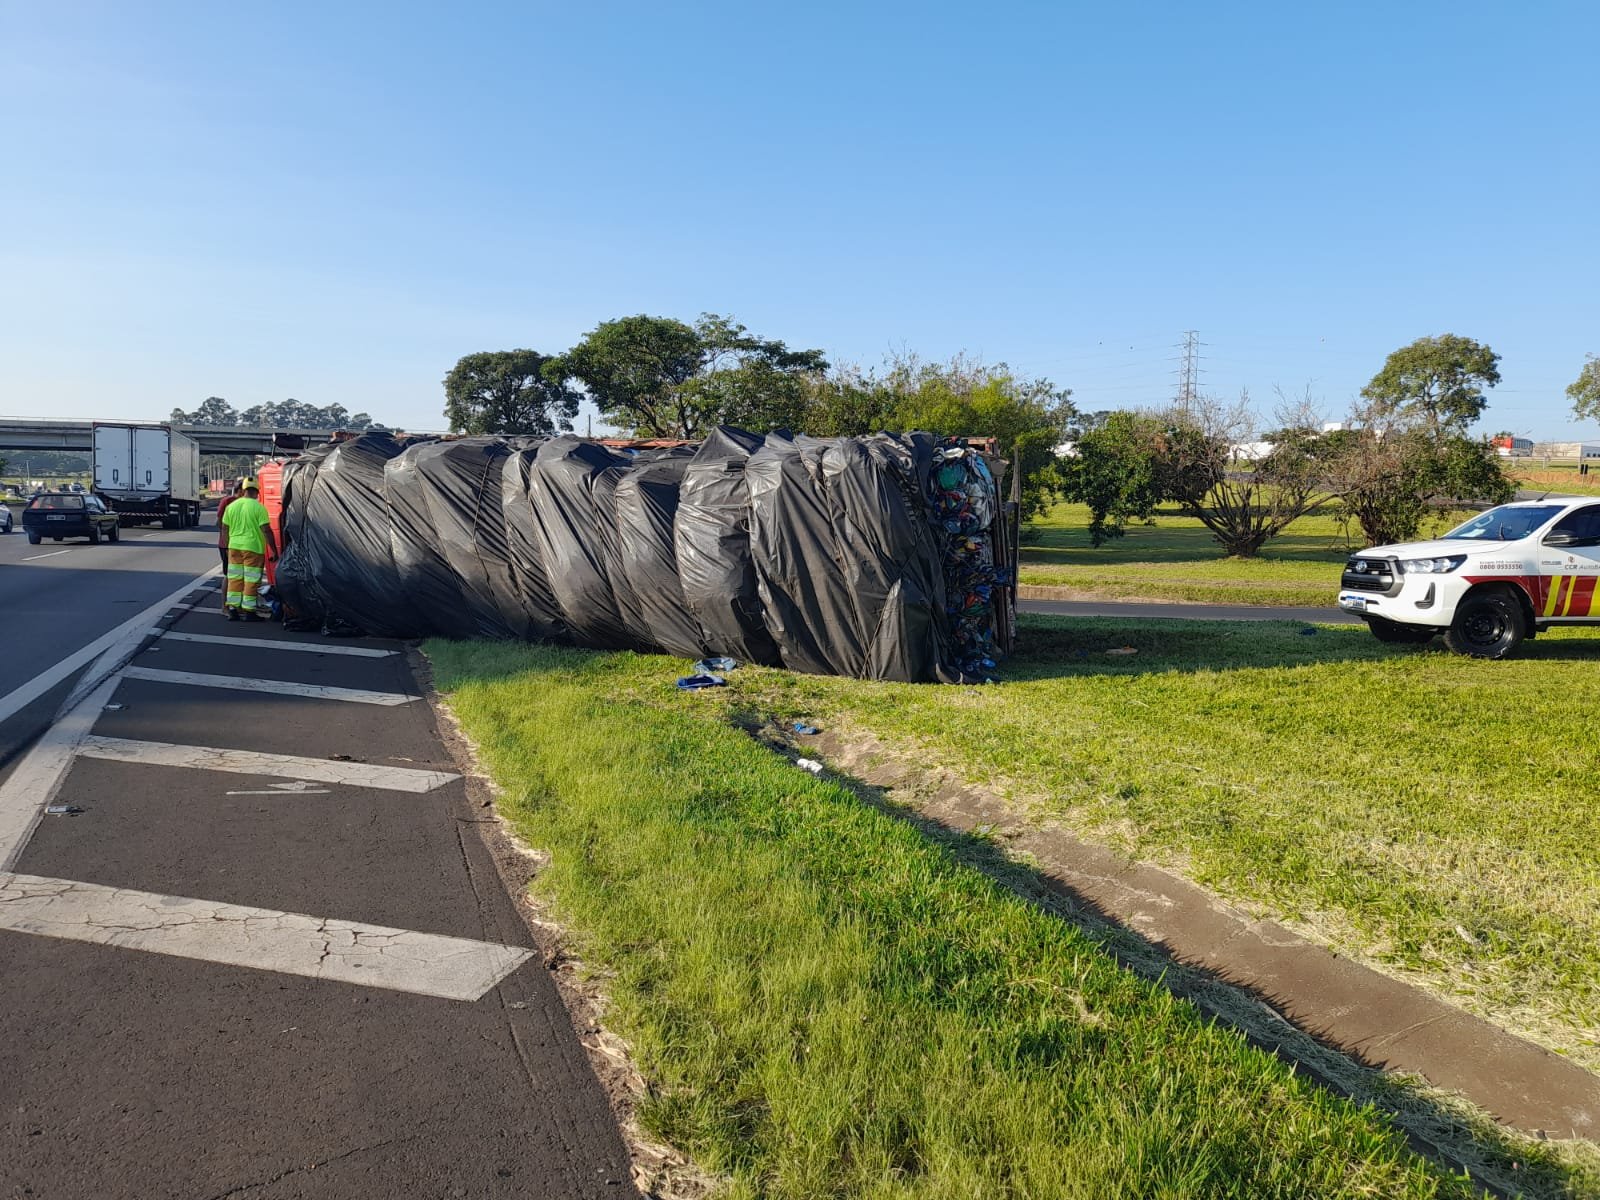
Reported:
(1487, 625)
(114, 534)
(1395, 633)
(34, 539)
(94, 535)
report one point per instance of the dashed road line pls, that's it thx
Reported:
(275, 687)
(19, 698)
(264, 939)
(219, 639)
(251, 762)
(52, 554)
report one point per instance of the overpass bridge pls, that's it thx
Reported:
(20, 433)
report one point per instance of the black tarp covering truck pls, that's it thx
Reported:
(883, 557)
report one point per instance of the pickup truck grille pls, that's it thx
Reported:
(1372, 575)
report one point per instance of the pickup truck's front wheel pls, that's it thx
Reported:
(1487, 625)
(1386, 630)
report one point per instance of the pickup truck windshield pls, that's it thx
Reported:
(1505, 524)
(58, 503)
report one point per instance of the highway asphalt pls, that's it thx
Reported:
(265, 952)
(56, 599)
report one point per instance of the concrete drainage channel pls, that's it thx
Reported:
(1359, 1032)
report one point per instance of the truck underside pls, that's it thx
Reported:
(166, 511)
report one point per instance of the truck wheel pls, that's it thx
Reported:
(1394, 632)
(1487, 625)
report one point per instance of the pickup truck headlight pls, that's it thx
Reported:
(1432, 566)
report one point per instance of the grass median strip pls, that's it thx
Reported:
(826, 1004)
(1176, 558)
(1431, 813)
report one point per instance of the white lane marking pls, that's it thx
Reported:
(218, 639)
(52, 554)
(264, 939)
(251, 762)
(289, 787)
(31, 787)
(41, 683)
(309, 791)
(114, 657)
(276, 687)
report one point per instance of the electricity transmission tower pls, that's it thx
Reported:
(1189, 370)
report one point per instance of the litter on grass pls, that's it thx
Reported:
(802, 727)
(693, 683)
(809, 764)
(710, 666)
(883, 557)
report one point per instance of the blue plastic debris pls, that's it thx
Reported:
(693, 683)
(802, 727)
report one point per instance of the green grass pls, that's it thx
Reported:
(826, 1004)
(1426, 811)
(1177, 559)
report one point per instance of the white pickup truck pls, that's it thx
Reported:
(1505, 575)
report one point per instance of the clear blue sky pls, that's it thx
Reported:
(336, 201)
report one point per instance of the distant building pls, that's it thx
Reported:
(1513, 447)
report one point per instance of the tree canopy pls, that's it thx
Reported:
(1116, 470)
(660, 377)
(1584, 391)
(1436, 383)
(508, 391)
(1028, 418)
(217, 413)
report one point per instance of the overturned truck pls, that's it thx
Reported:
(885, 557)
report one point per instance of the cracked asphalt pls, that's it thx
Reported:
(134, 1074)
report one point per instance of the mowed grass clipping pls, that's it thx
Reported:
(1435, 813)
(828, 1005)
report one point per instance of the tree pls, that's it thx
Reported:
(213, 411)
(1242, 485)
(1584, 391)
(1028, 418)
(294, 414)
(846, 402)
(508, 391)
(1388, 480)
(1436, 383)
(1115, 469)
(662, 378)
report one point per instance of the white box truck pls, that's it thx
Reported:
(148, 473)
